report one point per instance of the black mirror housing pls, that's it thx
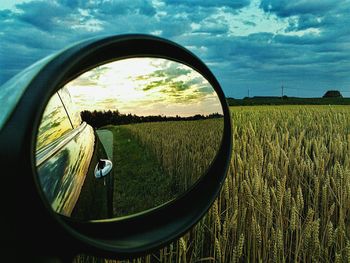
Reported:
(31, 228)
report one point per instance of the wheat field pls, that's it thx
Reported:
(181, 147)
(287, 193)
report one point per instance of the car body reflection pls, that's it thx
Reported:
(64, 157)
(54, 123)
(63, 174)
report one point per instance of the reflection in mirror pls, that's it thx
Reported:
(127, 136)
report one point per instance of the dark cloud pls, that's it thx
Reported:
(170, 70)
(206, 89)
(249, 23)
(112, 7)
(40, 28)
(123, 7)
(5, 14)
(328, 16)
(286, 8)
(166, 76)
(72, 3)
(262, 62)
(154, 84)
(171, 27)
(43, 15)
(167, 80)
(175, 89)
(308, 21)
(213, 26)
(237, 4)
(177, 86)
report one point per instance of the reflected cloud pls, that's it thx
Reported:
(151, 86)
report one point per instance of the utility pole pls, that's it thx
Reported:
(282, 88)
(248, 92)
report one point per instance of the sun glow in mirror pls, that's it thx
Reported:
(145, 86)
(142, 132)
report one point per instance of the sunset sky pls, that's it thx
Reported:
(250, 45)
(145, 86)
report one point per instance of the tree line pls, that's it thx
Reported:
(98, 119)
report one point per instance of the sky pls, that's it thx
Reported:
(144, 86)
(253, 47)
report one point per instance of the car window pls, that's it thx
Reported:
(54, 123)
(66, 98)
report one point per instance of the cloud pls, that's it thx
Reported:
(5, 14)
(112, 7)
(263, 61)
(326, 15)
(213, 26)
(126, 7)
(309, 46)
(37, 33)
(32, 13)
(178, 83)
(168, 76)
(39, 28)
(154, 84)
(285, 8)
(249, 23)
(237, 4)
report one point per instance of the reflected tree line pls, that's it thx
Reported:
(98, 119)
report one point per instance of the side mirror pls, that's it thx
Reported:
(69, 210)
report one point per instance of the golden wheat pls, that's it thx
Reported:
(287, 195)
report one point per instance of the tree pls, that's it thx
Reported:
(332, 94)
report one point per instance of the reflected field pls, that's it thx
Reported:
(157, 161)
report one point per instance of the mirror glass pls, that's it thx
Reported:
(125, 137)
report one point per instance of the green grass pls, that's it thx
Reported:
(139, 182)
